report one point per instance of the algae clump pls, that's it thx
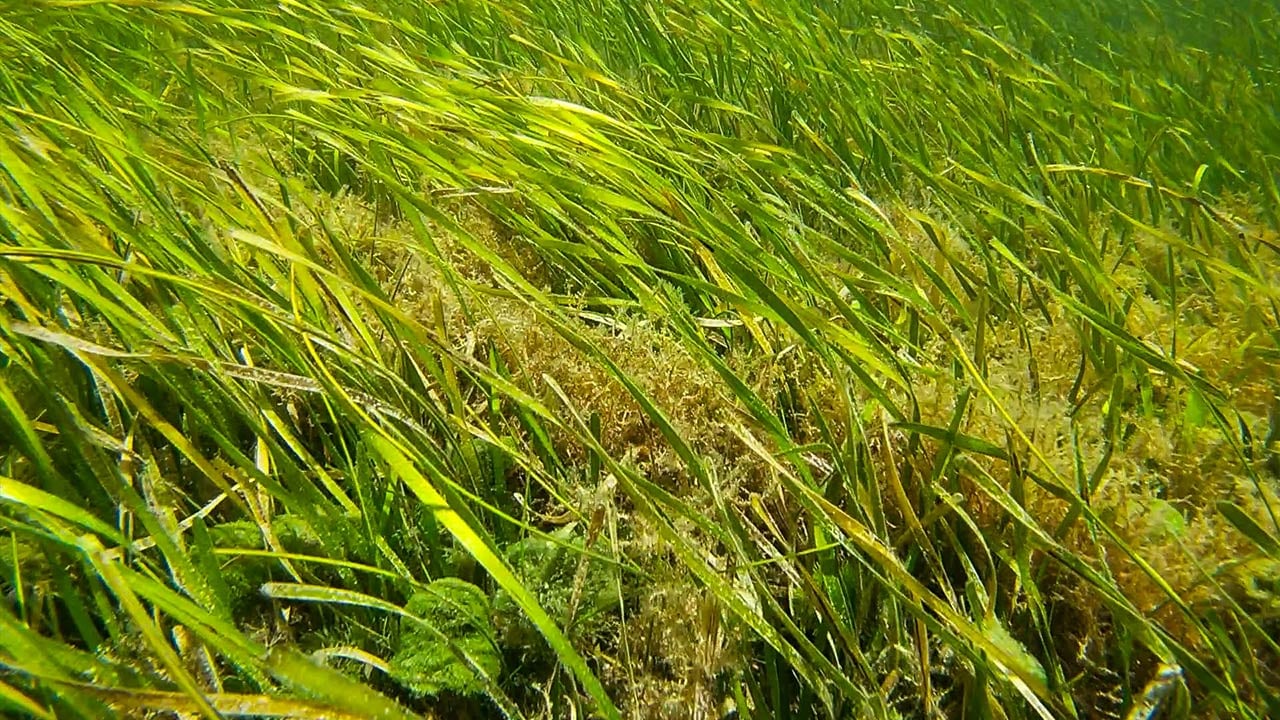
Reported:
(575, 590)
(448, 642)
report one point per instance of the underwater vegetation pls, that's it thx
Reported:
(640, 358)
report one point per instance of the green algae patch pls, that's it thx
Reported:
(243, 575)
(575, 589)
(447, 646)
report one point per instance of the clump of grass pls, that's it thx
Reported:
(603, 359)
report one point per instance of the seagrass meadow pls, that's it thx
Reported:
(640, 359)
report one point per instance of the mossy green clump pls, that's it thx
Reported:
(294, 533)
(581, 598)
(245, 574)
(428, 664)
